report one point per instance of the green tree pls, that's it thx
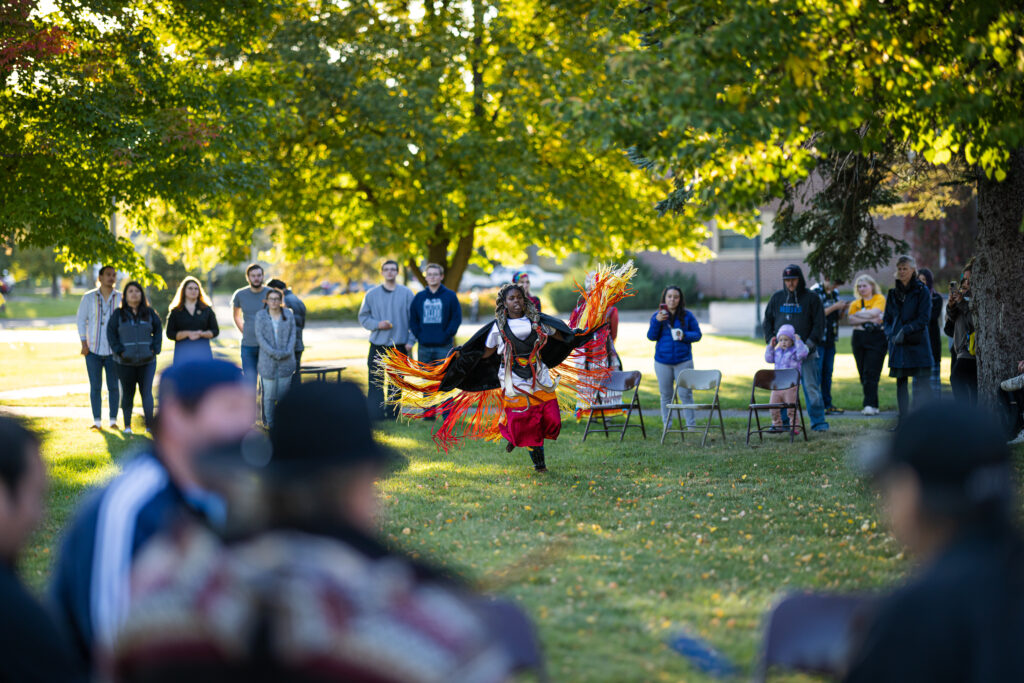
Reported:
(112, 105)
(434, 136)
(825, 103)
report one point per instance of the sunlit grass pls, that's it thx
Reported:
(42, 307)
(77, 458)
(621, 544)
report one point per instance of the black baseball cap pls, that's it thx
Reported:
(323, 424)
(318, 426)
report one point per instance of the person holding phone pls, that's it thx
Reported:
(673, 329)
(925, 276)
(961, 312)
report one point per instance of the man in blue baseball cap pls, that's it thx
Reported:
(201, 403)
(305, 589)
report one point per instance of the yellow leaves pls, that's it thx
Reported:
(800, 70)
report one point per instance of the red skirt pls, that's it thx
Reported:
(527, 422)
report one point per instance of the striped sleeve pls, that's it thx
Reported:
(116, 521)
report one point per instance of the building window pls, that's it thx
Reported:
(729, 240)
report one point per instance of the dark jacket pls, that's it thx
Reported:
(960, 325)
(832, 319)
(802, 309)
(180, 320)
(666, 349)
(32, 648)
(933, 327)
(434, 317)
(961, 620)
(907, 311)
(135, 339)
(105, 537)
(298, 309)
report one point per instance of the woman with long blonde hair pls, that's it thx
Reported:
(191, 322)
(869, 342)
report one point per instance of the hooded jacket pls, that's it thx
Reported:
(786, 359)
(907, 311)
(802, 309)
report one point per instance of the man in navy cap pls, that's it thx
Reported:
(948, 489)
(202, 403)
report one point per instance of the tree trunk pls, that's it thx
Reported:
(460, 260)
(997, 279)
(55, 286)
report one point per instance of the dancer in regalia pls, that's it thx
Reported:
(507, 380)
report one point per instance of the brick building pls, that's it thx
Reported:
(730, 274)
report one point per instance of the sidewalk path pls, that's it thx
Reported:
(43, 392)
(48, 411)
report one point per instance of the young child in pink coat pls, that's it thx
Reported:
(786, 351)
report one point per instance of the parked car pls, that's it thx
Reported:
(502, 274)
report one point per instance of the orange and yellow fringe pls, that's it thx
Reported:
(476, 414)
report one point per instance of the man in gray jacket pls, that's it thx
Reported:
(385, 312)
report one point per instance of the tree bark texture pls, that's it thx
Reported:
(997, 279)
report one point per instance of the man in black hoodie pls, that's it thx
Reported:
(796, 305)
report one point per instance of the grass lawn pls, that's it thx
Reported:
(621, 545)
(618, 547)
(42, 306)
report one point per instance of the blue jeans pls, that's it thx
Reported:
(426, 354)
(95, 365)
(810, 377)
(826, 361)
(250, 358)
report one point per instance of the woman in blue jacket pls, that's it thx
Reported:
(673, 329)
(908, 309)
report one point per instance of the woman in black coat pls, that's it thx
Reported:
(135, 336)
(191, 322)
(908, 309)
(925, 276)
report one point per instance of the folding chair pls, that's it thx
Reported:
(621, 382)
(695, 380)
(774, 380)
(813, 634)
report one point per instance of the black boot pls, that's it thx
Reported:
(537, 455)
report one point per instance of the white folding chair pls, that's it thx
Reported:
(695, 380)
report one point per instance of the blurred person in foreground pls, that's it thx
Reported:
(202, 403)
(32, 648)
(299, 588)
(947, 488)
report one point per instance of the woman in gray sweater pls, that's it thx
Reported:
(275, 333)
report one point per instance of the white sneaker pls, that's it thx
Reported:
(870, 410)
(1012, 384)
(127, 431)
(1018, 440)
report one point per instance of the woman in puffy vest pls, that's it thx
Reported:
(135, 336)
